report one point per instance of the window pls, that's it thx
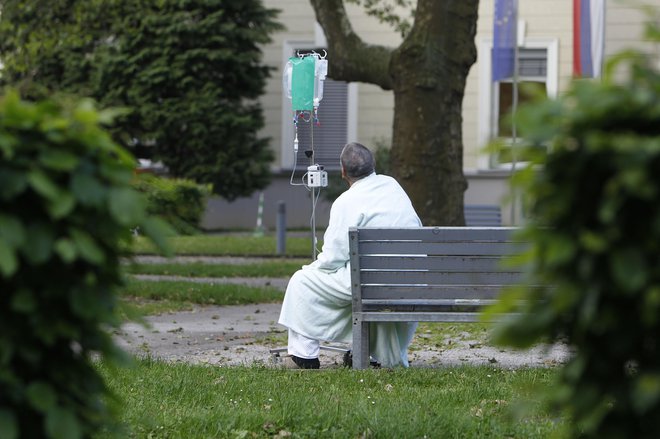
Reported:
(336, 121)
(532, 78)
(537, 74)
(331, 133)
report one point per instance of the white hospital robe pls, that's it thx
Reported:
(317, 303)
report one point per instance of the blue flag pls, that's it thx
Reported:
(505, 25)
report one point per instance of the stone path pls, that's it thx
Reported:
(244, 335)
(251, 281)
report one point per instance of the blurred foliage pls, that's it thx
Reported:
(180, 202)
(66, 210)
(188, 72)
(594, 233)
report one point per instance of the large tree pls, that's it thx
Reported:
(189, 71)
(427, 74)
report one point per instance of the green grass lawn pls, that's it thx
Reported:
(228, 245)
(275, 268)
(161, 400)
(141, 298)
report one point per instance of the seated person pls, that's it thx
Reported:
(317, 303)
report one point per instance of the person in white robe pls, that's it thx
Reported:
(317, 303)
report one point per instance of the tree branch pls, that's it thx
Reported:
(350, 58)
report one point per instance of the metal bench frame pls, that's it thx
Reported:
(439, 274)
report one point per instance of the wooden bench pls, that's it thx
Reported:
(439, 274)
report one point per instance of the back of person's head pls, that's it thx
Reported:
(357, 161)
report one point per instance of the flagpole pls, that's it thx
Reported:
(505, 47)
(514, 110)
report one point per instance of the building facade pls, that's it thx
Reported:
(363, 112)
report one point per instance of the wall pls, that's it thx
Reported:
(484, 188)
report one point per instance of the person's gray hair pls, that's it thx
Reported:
(357, 161)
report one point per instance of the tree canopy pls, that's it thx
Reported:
(188, 72)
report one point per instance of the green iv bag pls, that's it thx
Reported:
(302, 83)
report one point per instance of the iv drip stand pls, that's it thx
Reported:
(314, 190)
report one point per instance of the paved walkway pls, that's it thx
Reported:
(243, 335)
(250, 281)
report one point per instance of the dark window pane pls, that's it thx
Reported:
(527, 91)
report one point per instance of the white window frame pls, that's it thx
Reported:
(287, 159)
(488, 93)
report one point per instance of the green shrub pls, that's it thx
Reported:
(180, 202)
(66, 209)
(594, 228)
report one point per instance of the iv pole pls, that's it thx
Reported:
(314, 195)
(316, 176)
(514, 131)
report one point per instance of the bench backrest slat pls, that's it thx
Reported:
(438, 279)
(430, 292)
(423, 262)
(434, 248)
(437, 234)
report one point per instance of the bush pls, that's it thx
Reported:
(66, 209)
(594, 228)
(180, 202)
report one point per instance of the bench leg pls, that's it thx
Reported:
(360, 343)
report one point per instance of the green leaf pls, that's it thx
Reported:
(59, 160)
(593, 242)
(86, 113)
(62, 205)
(8, 260)
(38, 244)
(628, 269)
(7, 145)
(87, 246)
(158, 230)
(43, 185)
(41, 396)
(11, 230)
(8, 425)
(560, 250)
(646, 392)
(126, 206)
(66, 249)
(12, 183)
(87, 189)
(85, 304)
(651, 306)
(23, 301)
(108, 116)
(55, 127)
(62, 424)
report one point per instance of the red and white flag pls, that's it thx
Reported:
(588, 34)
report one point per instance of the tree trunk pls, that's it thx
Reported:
(429, 70)
(427, 73)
